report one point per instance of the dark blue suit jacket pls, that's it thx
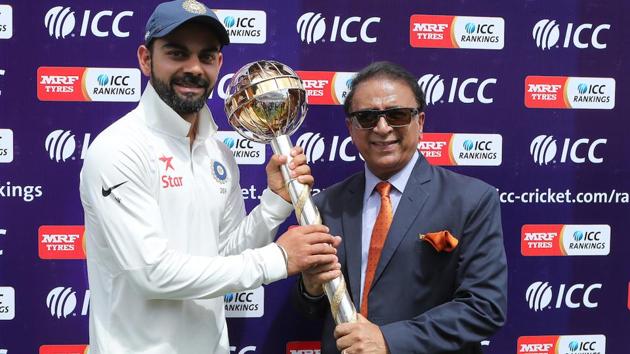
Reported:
(425, 301)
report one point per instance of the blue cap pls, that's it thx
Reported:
(168, 16)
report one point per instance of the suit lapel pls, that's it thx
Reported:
(351, 220)
(413, 198)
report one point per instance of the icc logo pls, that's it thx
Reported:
(539, 296)
(315, 148)
(544, 148)
(312, 27)
(586, 236)
(60, 22)
(481, 145)
(230, 22)
(62, 302)
(60, 144)
(546, 33)
(472, 28)
(434, 89)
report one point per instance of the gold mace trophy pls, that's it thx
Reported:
(266, 103)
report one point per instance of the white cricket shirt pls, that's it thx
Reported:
(167, 234)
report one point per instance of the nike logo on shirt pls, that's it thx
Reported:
(108, 191)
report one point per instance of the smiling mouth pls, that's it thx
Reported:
(384, 143)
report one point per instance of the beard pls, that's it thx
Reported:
(186, 104)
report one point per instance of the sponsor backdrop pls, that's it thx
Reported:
(530, 96)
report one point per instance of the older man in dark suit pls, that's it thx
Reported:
(422, 248)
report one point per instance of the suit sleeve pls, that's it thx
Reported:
(126, 234)
(479, 305)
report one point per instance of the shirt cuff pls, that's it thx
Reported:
(275, 206)
(273, 260)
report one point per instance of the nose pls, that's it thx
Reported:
(193, 66)
(382, 127)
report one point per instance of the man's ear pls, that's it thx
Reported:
(144, 60)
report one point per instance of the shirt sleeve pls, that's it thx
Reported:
(125, 233)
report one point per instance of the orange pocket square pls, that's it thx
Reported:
(441, 240)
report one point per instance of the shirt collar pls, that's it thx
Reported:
(398, 180)
(163, 118)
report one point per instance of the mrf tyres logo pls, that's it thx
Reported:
(6, 145)
(540, 296)
(544, 150)
(64, 349)
(303, 348)
(88, 84)
(565, 344)
(245, 304)
(61, 22)
(315, 28)
(6, 21)
(548, 33)
(454, 149)
(465, 32)
(61, 145)
(244, 26)
(469, 90)
(246, 152)
(61, 242)
(62, 302)
(565, 240)
(569, 92)
(326, 87)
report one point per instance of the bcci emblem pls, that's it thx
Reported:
(194, 7)
(219, 172)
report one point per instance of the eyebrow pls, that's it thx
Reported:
(173, 45)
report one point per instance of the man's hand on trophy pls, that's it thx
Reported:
(307, 247)
(298, 167)
(361, 337)
(315, 277)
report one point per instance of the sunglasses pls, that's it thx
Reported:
(395, 117)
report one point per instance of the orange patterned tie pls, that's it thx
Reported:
(379, 234)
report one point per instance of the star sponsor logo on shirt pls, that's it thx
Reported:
(170, 181)
(64, 349)
(456, 149)
(61, 242)
(88, 84)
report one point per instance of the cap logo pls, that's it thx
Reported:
(194, 7)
